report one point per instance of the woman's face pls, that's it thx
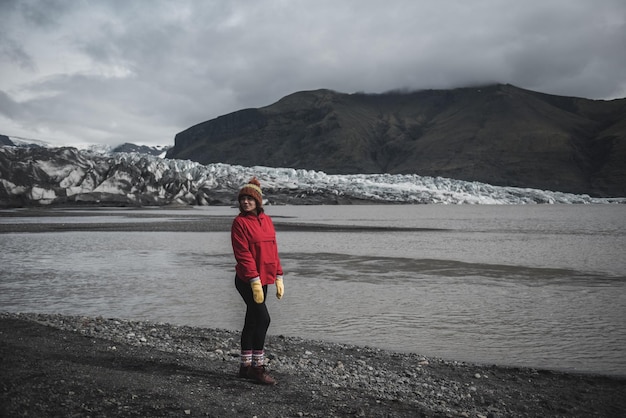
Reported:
(247, 203)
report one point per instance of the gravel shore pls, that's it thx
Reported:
(72, 366)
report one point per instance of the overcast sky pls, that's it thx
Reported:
(80, 72)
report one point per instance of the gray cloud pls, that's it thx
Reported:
(141, 71)
(11, 50)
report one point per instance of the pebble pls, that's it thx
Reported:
(336, 365)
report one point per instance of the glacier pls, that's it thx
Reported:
(66, 175)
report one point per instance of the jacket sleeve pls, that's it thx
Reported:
(241, 249)
(279, 272)
(279, 267)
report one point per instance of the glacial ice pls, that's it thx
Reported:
(66, 175)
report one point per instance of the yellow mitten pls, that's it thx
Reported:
(280, 287)
(257, 290)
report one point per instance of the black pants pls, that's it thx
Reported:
(257, 318)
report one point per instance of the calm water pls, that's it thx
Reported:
(540, 286)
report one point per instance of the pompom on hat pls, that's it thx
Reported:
(253, 189)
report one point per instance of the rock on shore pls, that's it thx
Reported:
(56, 365)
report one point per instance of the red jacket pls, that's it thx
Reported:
(255, 248)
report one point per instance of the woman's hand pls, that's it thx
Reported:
(257, 290)
(280, 287)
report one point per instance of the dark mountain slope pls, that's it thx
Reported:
(5, 140)
(497, 134)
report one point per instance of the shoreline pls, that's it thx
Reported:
(59, 365)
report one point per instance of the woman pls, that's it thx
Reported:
(254, 244)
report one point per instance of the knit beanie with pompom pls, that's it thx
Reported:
(253, 189)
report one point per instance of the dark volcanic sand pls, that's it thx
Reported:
(60, 366)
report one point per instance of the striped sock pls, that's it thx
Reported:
(258, 358)
(246, 358)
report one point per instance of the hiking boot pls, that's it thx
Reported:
(260, 375)
(244, 371)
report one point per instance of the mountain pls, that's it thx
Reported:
(68, 176)
(141, 149)
(127, 147)
(21, 142)
(497, 134)
(5, 140)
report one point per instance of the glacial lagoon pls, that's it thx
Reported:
(523, 285)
